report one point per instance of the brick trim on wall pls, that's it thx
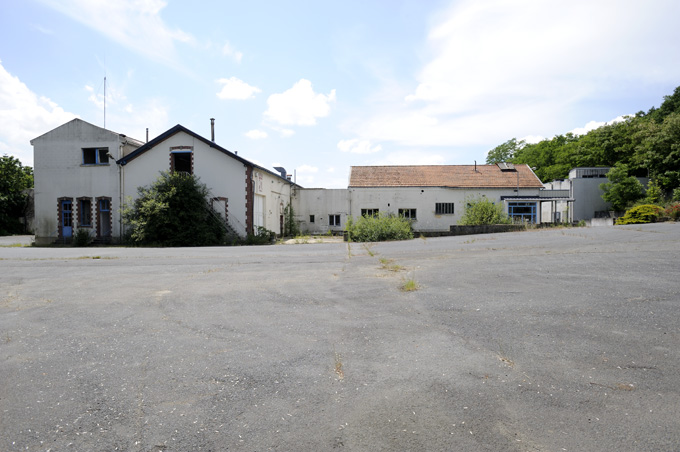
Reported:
(250, 204)
(226, 206)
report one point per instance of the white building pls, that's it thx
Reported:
(433, 196)
(584, 186)
(84, 174)
(77, 181)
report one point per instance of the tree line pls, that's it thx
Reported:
(642, 145)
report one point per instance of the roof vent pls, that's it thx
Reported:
(281, 170)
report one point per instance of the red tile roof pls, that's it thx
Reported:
(455, 176)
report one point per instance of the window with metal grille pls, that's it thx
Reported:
(443, 208)
(370, 212)
(408, 213)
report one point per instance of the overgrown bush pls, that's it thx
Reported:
(481, 211)
(676, 194)
(647, 213)
(673, 211)
(622, 189)
(262, 237)
(290, 226)
(654, 194)
(82, 237)
(174, 211)
(378, 228)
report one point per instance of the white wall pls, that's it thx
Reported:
(321, 202)
(224, 176)
(276, 192)
(390, 200)
(59, 172)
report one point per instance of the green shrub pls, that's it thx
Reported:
(673, 211)
(378, 228)
(174, 211)
(290, 226)
(654, 194)
(676, 194)
(647, 213)
(481, 211)
(82, 237)
(262, 237)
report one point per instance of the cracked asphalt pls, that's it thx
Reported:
(545, 340)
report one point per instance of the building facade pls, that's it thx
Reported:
(84, 174)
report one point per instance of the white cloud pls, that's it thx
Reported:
(230, 51)
(502, 69)
(23, 116)
(283, 132)
(592, 125)
(356, 146)
(532, 139)
(299, 105)
(135, 24)
(256, 134)
(236, 89)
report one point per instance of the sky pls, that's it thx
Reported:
(319, 86)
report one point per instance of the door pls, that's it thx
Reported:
(104, 220)
(67, 219)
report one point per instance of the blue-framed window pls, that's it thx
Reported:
(522, 212)
(95, 156)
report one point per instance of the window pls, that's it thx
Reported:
(443, 208)
(85, 212)
(334, 220)
(370, 212)
(182, 162)
(104, 217)
(408, 213)
(311, 218)
(522, 211)
(95, 156)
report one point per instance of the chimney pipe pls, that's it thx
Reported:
(147, 134)
(212, 129)
(475, 166)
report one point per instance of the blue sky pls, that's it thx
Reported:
(318, 86)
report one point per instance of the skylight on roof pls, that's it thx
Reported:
(506, 166)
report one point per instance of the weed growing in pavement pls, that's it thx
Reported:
(409, 285)
(338, 366)
(368, 247)
(386, 264)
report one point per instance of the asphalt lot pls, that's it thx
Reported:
(547, 340)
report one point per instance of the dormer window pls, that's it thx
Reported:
(95, 156)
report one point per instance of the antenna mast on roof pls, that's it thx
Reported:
(105, 102)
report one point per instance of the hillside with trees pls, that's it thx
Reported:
(643, 145)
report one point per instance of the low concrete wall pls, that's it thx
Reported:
(597, 222)
(485, 229)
